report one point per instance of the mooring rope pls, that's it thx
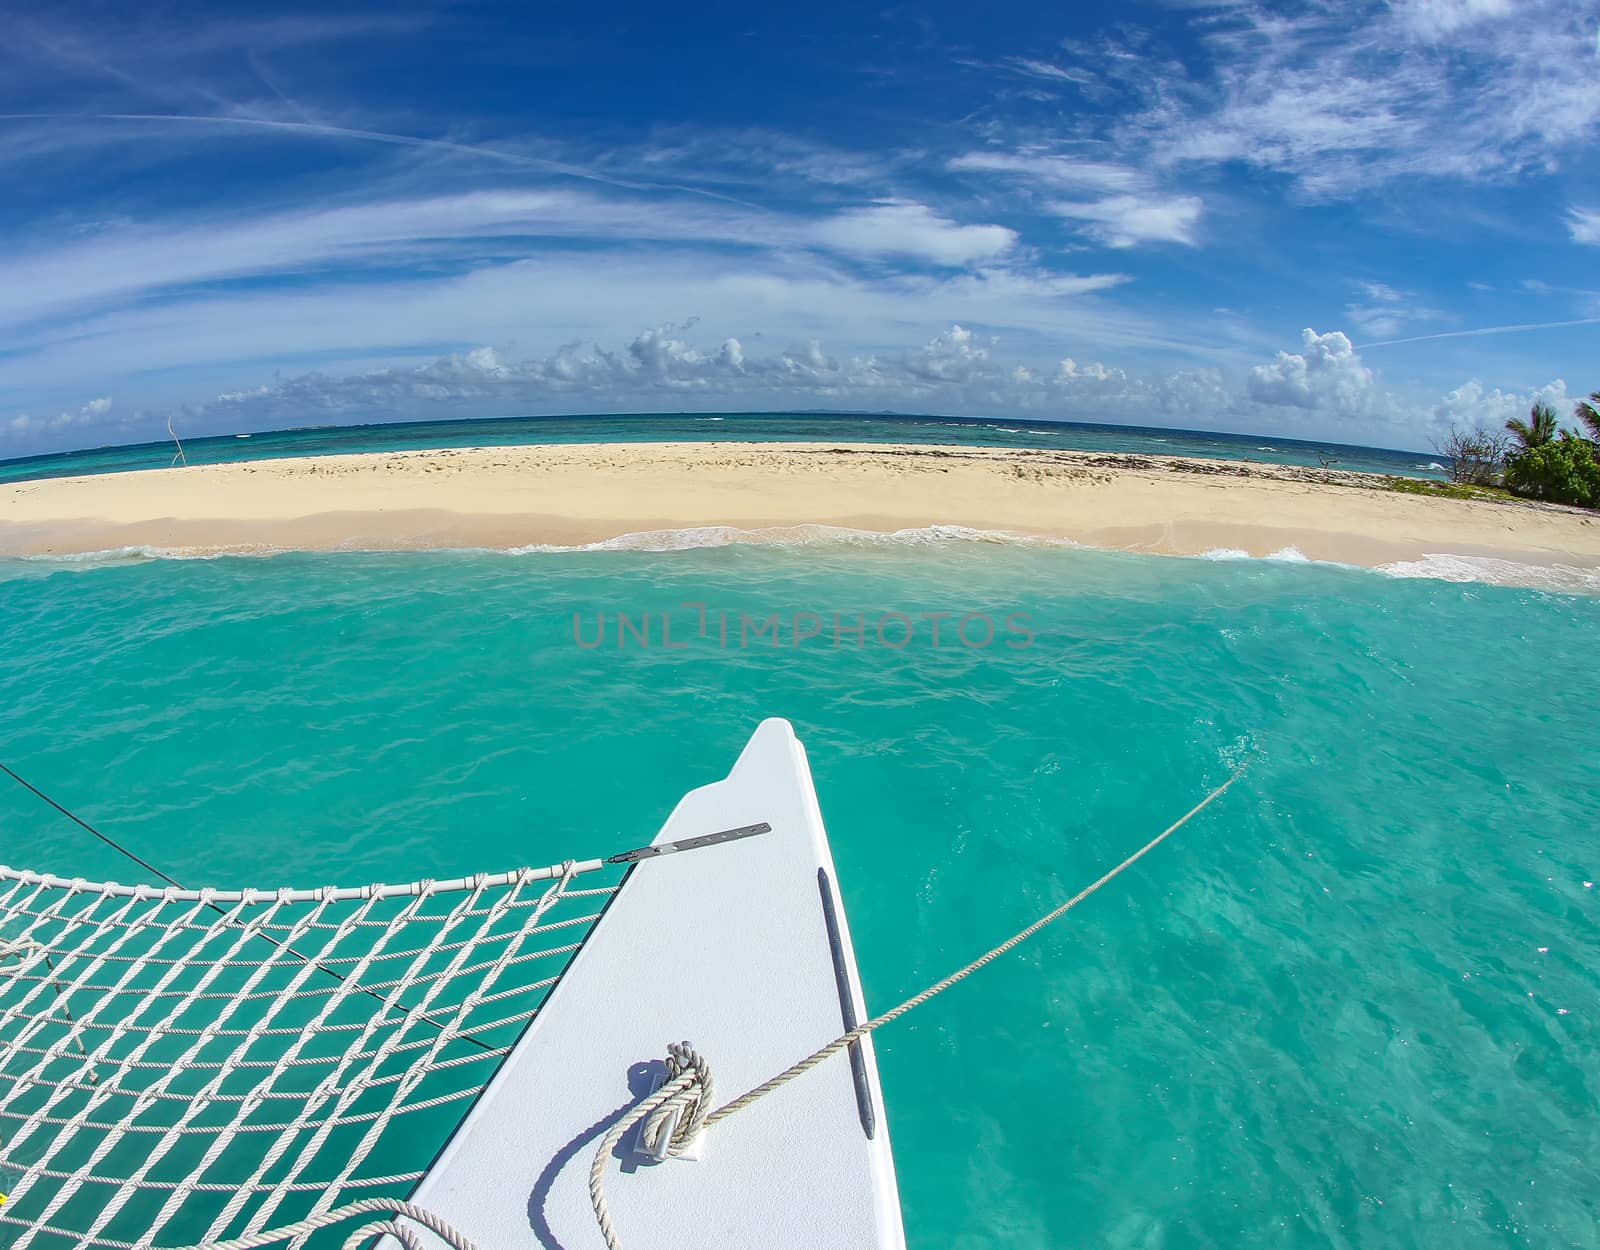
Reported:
(391, 1208)
(685, 1094)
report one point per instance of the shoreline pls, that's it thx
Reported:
(572, 495)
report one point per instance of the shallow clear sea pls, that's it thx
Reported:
(1355, 1003)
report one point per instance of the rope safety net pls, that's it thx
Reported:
(188, 1066)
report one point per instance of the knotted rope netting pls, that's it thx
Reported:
(182, 1066)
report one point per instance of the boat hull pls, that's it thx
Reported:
(741, 948)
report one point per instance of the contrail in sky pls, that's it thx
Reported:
(326, 130)
(1463, 334)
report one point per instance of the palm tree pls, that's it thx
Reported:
(1538, 429)
(1588, 412)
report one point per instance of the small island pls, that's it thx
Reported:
(633, 494)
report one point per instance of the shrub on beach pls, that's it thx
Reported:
(1474, 457)
(1562, 471)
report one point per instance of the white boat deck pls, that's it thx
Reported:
(742, 949)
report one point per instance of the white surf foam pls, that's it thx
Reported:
(141, 553)
(1561, 578)
(114, 557)
(1284, 555)
(1442, 566)
(696, 537)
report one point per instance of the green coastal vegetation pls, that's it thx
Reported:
(1534, 458)
(1446, 490)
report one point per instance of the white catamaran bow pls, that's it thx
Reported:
(743, 948)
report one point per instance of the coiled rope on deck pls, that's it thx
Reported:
(687, 1091)
(686, 1094)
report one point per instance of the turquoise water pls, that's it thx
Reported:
(734, 427)
(1353, 1004)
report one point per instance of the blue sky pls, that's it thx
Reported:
(1309, 219)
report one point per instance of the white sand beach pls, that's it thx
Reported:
(566, 495)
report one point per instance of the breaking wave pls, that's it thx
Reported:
(1562, 578)
(1452, 568)
(693, 537)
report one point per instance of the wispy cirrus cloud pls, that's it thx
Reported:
(1584, 225)
(1115, 204)
(1386, 311)
(244, 329)
(1130, 220)
(158, 58)
(1340, 98)
(1435, 19)
(82, 130)
(1049, 71)
(1057, 171)
(902, 228)
(131, 262)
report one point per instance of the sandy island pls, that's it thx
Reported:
(566, 495)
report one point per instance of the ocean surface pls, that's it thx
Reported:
(1356, 1003)
(734, 427)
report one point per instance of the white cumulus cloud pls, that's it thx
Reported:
(1323, 388)
(954, 356)
(1326, 375)
(23, 427)
(1472, 404)
(1069, 370)
(961, 369)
